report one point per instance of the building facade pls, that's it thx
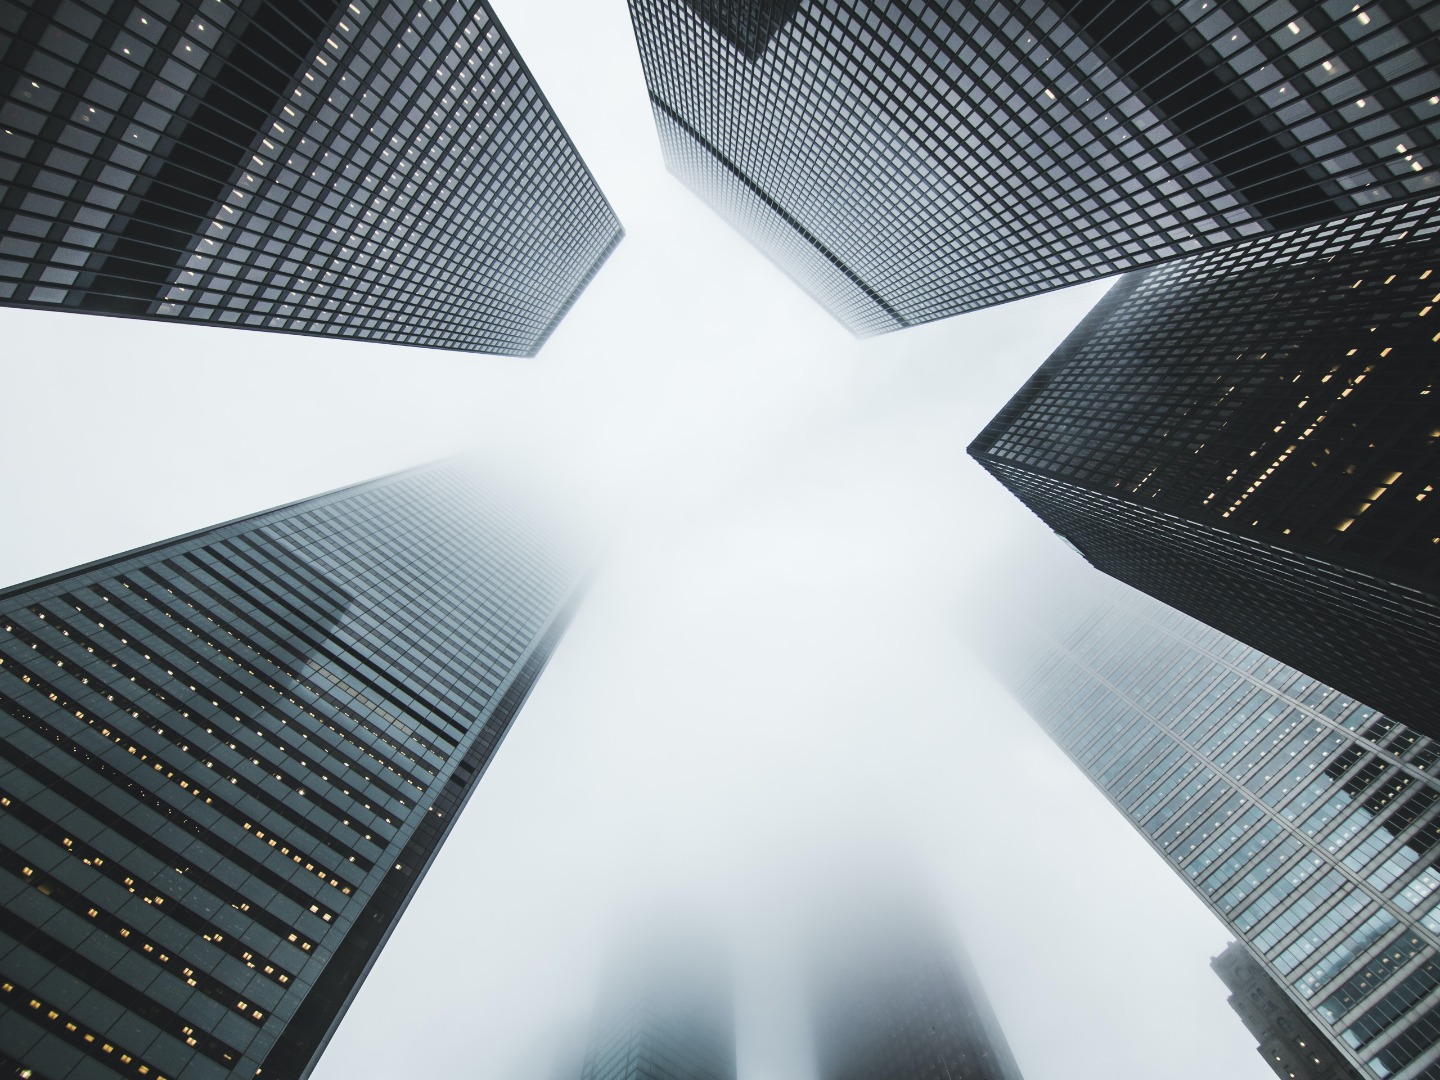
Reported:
(227, 760)
(1265, 418)
(1290, 1043)
(907, 160)
(666, 1012)
(893, 999)
(1307, 822)
(385, 170)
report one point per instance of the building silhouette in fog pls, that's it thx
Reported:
(1308, 822)
(1252, 436)
(1290, 1042)
(906, 162)
(228, 759)
(665, 1011)
(891, 998)
(386, 171)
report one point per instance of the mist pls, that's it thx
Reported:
(770, 670)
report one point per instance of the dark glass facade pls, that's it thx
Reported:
(906, 160)
(227, 760)
(385, 170)
(666, 1012)
(1252, 435)
(893, 999)
(1290, 1043)
(1305, 821)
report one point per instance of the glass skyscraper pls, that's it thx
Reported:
(1252, 435)
(227, 760)
(1307, 822)
(385, 170)
(906, 160)
(891, 998)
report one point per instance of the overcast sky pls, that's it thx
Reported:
(769, 663)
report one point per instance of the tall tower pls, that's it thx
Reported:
(893, 999)
(1305, 821)
(385, 170)
(1252, 435)
(227, 760)
(666, 1012)
(908, 161)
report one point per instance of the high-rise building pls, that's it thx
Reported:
(385, 170)
(906, 160)
(1252, 435)
(892, 998)
(1308, 823)
(1290, 1043)
(666, 1012)
(227, 760)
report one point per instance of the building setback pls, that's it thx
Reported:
(1307, 822)
(385, 170)
(666, 1012)
(227, 760)
(907, 160)
(1290, 1043)
(892, 999)
(1252, 435)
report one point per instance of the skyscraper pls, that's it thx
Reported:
(1305, 821)
(892, 999)
(1290, 1043)
(1252, 435)
(666, 1012)
(227, 760)
(905, 161)
(385, 170)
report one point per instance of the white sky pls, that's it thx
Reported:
(770, 659)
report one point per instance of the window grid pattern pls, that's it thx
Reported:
(229, 758)
(383, 170)
(908, 160)
(1294, 812)
(1266, 414)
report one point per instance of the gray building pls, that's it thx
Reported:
(385, 170)
(227, 760)
(906, 160)
(1262, 417)
(892, 997)
(665, 1011)
(1305, 821)
(1290, 1043)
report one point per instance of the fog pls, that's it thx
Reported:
(769, 664)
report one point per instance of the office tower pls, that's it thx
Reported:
(906, 161)
(1290, 1042)
(666, 1012)
(1252, 435)
(227, 760)
(893, 999)
(385, 170)
(1305, 821)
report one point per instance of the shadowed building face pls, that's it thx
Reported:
(1253, 436)
(227, 760)
(384, 170)
(906, 161)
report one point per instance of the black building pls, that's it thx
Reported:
(1250, 436)
(227, 760)
(906, 160)
(893, 999)
(1290, 1043)
(385, 170)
